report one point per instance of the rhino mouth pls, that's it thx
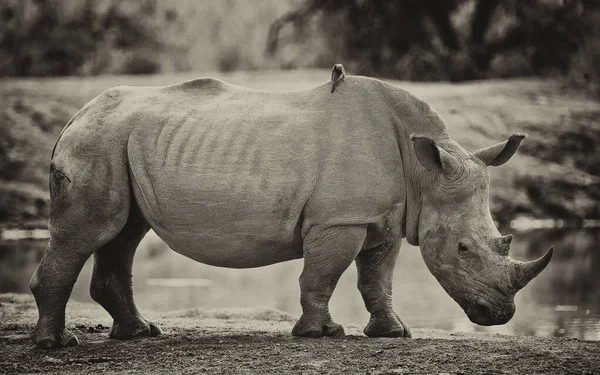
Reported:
(481, 312)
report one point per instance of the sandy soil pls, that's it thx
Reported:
(247, 341)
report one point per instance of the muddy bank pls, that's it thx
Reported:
(234, 341)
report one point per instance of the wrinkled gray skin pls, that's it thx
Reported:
(240, 178)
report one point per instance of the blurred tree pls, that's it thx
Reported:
(59, 37)
(443, 39)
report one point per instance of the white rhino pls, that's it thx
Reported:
(235, 177)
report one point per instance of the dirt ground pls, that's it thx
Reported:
(248, 341)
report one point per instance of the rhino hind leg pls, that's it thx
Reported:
(327, 254)
(375, 276)
(85, 213)
(112, 281)
(51, 286)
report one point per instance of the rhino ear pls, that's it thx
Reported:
(499, 154)
(431, 156)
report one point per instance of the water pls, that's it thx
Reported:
(563, 301)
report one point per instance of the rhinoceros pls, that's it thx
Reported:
(236, 177)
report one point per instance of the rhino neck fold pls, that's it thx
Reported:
(412, 208)
(415, 118)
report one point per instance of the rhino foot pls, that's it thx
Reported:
(387, 325)
(306, 327)
(133, 329)
(45, 340)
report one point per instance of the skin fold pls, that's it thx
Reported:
(235, 177)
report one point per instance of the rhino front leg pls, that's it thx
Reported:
(375, 276)
(327, 254)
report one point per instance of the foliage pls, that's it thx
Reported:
(445, 39)
(571, 142)
(91, 37)
(29, 127)
(406, 39)
(61, 37)
(585, 65)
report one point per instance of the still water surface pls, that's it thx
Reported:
(563, 301)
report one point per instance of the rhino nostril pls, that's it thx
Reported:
(481, 311)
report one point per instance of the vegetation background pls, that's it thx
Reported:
(423, 40)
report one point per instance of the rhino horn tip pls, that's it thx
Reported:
(525, 272)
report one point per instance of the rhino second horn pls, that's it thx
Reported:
(507, 239)
(524, 272)
(502, 244)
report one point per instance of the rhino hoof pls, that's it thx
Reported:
(65, 339)
(333, 329)
(388, 326)
(131, 330)
(305, 328)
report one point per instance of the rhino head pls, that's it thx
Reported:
(459, 241)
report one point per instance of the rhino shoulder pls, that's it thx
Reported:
(419, 117)
(385, 92)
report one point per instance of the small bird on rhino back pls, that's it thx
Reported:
(234, 177)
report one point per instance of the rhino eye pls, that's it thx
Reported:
(463, 251)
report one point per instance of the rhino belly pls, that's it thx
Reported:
(220, 225)
(220, 212)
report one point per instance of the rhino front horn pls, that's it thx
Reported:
(524, 272)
